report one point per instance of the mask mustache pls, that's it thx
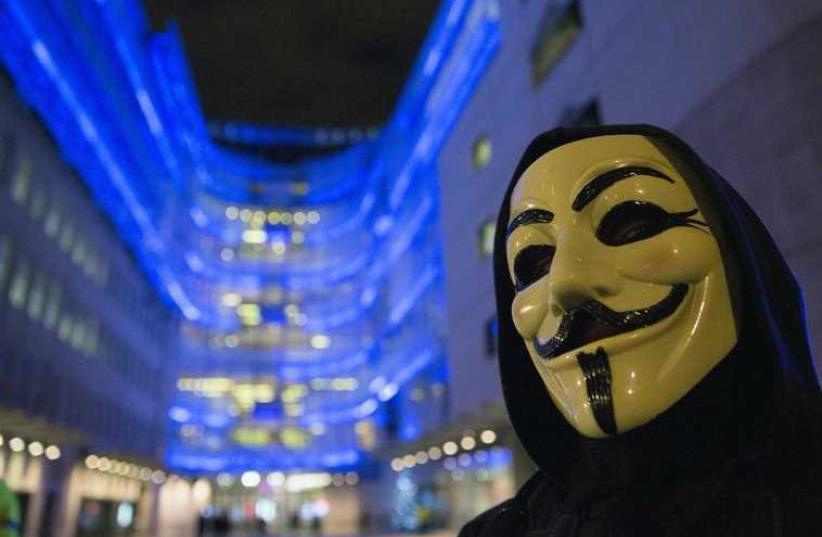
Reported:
(593, 320)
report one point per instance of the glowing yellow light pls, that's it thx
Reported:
(293, 438)
(434, 453)
(36, 449)
(397, 465)
(298, 237)
(450, 448)
(300, 482)
(278, 248)
(232, 212)
(259, 217)
(300, 218)
(468, 442)
(409, 461)
(421, 457)
(293, 393)
(231, 300)
(246, 215)
(286, 218)
(320, 341)
(488, 436)
(92, 462)
(248, 310)
(158, 477)
(352, 478)
(231, 341)
(294, 410)
(17, 444)
(299, 188)
(255, 236)
(273, 218)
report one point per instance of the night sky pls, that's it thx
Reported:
(298, 62)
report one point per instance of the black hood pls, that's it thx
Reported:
(765, 386)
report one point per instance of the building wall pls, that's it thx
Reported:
(736, 79)
(85, 343)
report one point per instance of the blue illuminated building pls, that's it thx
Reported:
(310, 294)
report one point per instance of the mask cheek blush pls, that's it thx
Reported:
(680, 255)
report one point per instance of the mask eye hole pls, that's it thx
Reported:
(632, 221)
(532, 263)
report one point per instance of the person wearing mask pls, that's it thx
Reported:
(653, 349)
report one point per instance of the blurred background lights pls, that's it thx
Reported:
(250, 479)
(17, 444)
(468, 443)
(320, 341)
(36, 449)
(450, 448)
(488, 436)
(275, 479)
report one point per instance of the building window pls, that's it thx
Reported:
(481, 153)
(19, 285)
(21, 182)
(485, 242)
(37, 297)
(52, 223)
(67, 237)
(560, 26)
(55, 298)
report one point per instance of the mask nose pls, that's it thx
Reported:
(580, 272)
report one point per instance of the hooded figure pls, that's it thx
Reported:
(653, 352)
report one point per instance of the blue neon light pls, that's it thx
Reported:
(355, 293)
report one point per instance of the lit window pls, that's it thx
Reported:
(55, 298)
(67, 237)
(299, 188)
(78, 335)
(560, 26)
(481, 152)
(64, 330)
(485, 240)
(52, 224)
(19, 285)
(21, 181)
(78, 253)
(37, 297)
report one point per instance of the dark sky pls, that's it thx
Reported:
(299, 62)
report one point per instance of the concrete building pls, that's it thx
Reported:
(737, 80)
(84, 344)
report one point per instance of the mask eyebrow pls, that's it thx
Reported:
(528, 217)
(602, 181)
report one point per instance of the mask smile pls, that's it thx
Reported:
(594, 321)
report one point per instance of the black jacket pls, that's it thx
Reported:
(739, 455)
